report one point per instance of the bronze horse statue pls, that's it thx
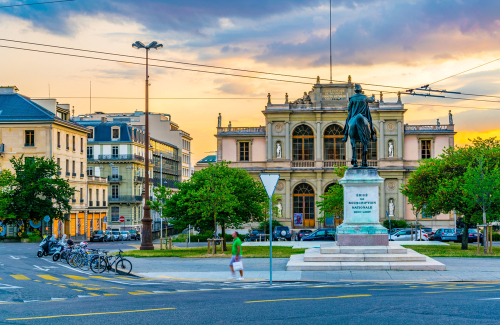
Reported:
(358, 125)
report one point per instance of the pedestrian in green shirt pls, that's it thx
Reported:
(236, 256)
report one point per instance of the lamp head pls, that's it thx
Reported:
(138, 45)
(154, 45)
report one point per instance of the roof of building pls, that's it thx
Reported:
(18, 108)
(208, 159)
(102, 131)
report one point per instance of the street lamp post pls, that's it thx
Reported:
(147, 236)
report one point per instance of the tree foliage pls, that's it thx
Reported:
(332, 203)
(218, 194)
(34, 191)
(443, 184)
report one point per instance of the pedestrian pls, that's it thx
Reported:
(236, 256)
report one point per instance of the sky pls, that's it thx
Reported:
(397, 43)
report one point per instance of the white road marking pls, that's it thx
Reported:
(57, 298)
(490, 299)
(84, 296)
(42, 269)
(7, 286)
(30, 300)
(15, 258)
(161, 291)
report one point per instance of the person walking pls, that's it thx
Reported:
(236, 251)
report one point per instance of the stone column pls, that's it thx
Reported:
(318, 140)
(287, 141)
(401, 201)
(269, 141)
(381, 153)
(383, 203)
(288, 201)
(400, 140)
(348, 152)
(318, 192)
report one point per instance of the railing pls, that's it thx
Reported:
(260, 129)
(115, 178)
(125, 198)
(138, 179)
(97, 179)
(82, 175)
(91, 203)
(67, 174)
(166, 182)
(429, 128)
(334, 163)
(302, 164)
(103, 203)
(74, 174)
(116, 157)
(97, 203)
(73, 200)
(81, 201)
(29, 144)
(165, 155)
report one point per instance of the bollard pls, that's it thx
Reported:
(478, 239)
(186, 243)
(208, 246)
(198, 243)
(161, 243)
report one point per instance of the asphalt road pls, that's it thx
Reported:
(39, 291)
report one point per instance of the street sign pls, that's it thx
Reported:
(46, 218)
(122, 219)
(270, 181)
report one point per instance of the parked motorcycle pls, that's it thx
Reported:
(61, 248)
(48, 246)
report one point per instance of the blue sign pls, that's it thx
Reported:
(3, 229)
(46, 219)
(105, 219)
(37, 225)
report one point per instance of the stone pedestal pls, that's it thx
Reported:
(361, 225)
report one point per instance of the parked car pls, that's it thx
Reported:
(282, 232)
(405, 235)
(324, 234)
(116, 235)
(257, 235)
(125, 235)
(472, 235)
(445, 234)
(134, 235)
(302, 233)
(108, 236)
(430, 233)
(394, 230)
(97, 235)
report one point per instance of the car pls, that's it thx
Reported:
(394, 230)
(445, 234)
(282, 232)
(472, 235)
(406, 235)
(125, 235)
(430, 233)
(116, 235)
(257, 235)
(97, 235)
(302, 233)
(108, 236)
(323, 234)
(134, 235)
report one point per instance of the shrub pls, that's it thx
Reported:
(496, 236)
(396, 224)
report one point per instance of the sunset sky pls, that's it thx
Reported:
(396, 43)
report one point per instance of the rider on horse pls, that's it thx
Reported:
(358, 125)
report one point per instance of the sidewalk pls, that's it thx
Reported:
(257, 269)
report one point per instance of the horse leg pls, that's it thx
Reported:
(364, 161)
(354, 161)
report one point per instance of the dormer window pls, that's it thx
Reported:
(115, 133)
(91, 134)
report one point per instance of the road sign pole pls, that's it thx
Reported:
(270, 242)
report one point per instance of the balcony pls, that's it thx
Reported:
(125, 198)
(166, 182)
(73, 200)
(91, 203)
(68, 174)
(97, 179)
(138, 179)
(81, 201)
(82, 175)
(115, 178)
(303, 164)
(261, 130)
(97, 203)
(430, 128)
(103, 203)
(334, 163)
(74, 174)
(116, 158)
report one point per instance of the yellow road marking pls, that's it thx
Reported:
(463, 291)
(140, 292)
(317, 298)
(20, 277)
(123, 277)
(47, 277)
(91, 314)
(93, 294)
(99, 277)
(75, 277)
(111, 294)
(378, 289)
(221, 280)
(77, 290)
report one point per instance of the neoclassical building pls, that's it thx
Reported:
(301, 140)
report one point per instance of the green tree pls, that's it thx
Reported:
(216, 195)
(34, 191)
(438, 184)
(332, 203)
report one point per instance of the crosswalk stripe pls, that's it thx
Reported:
(93, 294)
(48, 277)
(75, 277)
(19, 277)
(99, 277)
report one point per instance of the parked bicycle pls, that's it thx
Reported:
(115, 263)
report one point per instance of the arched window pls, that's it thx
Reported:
(303, 206)
(332, 220)
(303, 143)
(334, 147)
(372, 150)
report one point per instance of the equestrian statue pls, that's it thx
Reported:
(358, 125)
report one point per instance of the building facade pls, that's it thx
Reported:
(302, 142)
(41, 128)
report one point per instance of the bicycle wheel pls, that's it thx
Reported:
(85, 265)
(56, 257)
(123, 267)
(75, 260)
(98, 265)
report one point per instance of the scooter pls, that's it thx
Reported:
(60, 248)
(48, 246)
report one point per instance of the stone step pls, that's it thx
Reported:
(297, 263)
(332, 248)
(316, 256)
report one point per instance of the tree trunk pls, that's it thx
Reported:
(485, 232)
(223, 236)
(465, 237)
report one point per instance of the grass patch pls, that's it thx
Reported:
(454, 250)
(247, 252)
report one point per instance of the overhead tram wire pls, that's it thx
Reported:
(188, 63)
(456, 74)
(35, 3)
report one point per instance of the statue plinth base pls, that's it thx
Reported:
(361, 225)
